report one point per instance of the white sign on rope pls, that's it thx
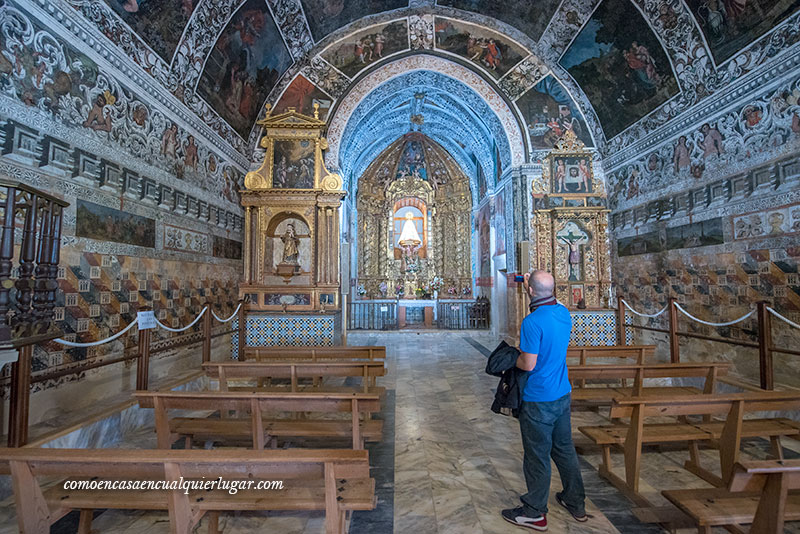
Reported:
(147, 319)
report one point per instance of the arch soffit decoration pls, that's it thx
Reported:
(477, 121)
(506, 127)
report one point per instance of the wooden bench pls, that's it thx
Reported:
(254, 428)
(729, 432)
(342, 352)
(757, 494)
(639, 353)
(336, 481)
(225, 372)
(603, 395)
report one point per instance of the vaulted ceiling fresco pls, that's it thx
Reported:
(615, 71)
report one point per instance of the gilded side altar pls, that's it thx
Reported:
(569, 226)
(291, 204)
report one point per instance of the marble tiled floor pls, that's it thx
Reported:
(448, 464)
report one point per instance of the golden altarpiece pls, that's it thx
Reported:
(570, 226)
(413, 183)
(291, 205)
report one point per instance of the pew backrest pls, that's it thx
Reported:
(640, 372)
(224, 371)
(639, 353)
(256, 403)
(295, 353)
(35, 514)
(719, 404)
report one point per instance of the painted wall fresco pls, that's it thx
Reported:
(325, 16)
(719, 285)
(698, 234)
(302, 95)
(499, 219)
(530, 17)
(176, 238)
(244, 66)
(483, 225)
(366, 47)
(99, 294)
(775, 222)
(765, 127)
(43, 72)
(620, 65)
(107, 224)
(157, 22)
(731, 25)
(549, 112)
(490, 50)
(227, 248)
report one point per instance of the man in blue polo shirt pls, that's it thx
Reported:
(544, 419)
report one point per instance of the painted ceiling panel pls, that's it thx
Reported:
(730, 25)
(158, 22)
(302, 95)
(548, 111)
(620, 65)
(244, 66)
(367, 47)
(325, 16)
(490, 50)
(530, 17)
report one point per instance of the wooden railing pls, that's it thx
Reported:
(764, 344)
(22, 379)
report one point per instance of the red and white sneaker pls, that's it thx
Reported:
(516, 516)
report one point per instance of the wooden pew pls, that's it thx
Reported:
(227, 371)
(341, 352)
(603, 395)
(757, 494)
(639, 353)
(254, 428)
(729, 432)
(336, 481)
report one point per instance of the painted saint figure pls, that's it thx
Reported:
(712, 141)
(96, 120)
(290, 245)
(561, 174)
(585, 178)
(169, 141)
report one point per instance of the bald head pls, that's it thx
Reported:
(541, 284)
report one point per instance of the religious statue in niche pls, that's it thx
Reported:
(573, 236)
(290, 245)
(288, 248)
(410, 242)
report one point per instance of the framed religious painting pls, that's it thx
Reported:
(571, 174)
(293, 144)
(293, 164)
(568, 174)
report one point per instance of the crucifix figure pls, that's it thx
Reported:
(573, 237)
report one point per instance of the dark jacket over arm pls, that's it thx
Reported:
(503, 363)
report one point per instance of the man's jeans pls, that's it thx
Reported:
(547, 432)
